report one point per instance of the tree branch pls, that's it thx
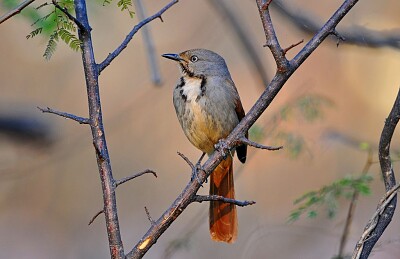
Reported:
(356, 35)
(124, 180)
(70, 116)
(250, 52)
(70, 16)
(248, 142)
(98, 133)
(186, 196)
(383, 215)
(15, 11)
(129, 37)
(201, 198)
(272, 41)
(148, 42)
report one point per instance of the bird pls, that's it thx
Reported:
(208, 108)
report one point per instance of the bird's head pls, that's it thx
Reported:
(199, 62)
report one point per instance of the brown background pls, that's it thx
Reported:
(48, 193)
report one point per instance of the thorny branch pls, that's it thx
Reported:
(375, 228)
(285, 70)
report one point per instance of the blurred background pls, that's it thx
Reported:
(329, 116)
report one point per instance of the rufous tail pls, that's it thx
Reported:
(223, 216)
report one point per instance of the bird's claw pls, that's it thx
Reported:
(222, 146)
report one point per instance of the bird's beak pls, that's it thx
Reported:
(175, 57)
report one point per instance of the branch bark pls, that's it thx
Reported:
(375, 227)
(186, 196)
(98, 133)
(15, 11)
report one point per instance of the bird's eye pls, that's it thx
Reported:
(194, 58)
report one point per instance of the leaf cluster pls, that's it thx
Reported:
(328, 196)
(125, 5)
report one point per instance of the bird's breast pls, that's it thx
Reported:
(204, 120)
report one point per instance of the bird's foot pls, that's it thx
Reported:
(222, 147)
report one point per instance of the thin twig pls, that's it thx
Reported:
(339, 38)
(186, 160)
(352, 207)
(248, 142)
(129, 37)
(95, 216)
(201, 198)
(15, 11)
(292, 46)
(70, 16)
(149, 45)
(148, 216)
(70, 116)
(128, 178)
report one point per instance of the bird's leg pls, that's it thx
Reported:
(197, 168)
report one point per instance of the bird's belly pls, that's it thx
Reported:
(204, 126)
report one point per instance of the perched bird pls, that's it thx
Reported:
(208, 108)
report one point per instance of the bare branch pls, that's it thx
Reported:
(186, 196)
(95, 216)
(98, 134)
(129, 37)
(356, 35)
(70, 16)
(124, 180)
(266, 5)
(186, 160)
(385, 211)
(352, 208)
(272, 41)
(248, 142)
(15, 11)
(148, 216)
(201, 198)
(291, 47)
(70, 116)
(243, 37)
(148, 42)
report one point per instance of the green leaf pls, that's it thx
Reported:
(51, 46)
(328, 196)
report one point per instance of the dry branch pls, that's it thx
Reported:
(70, 116)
